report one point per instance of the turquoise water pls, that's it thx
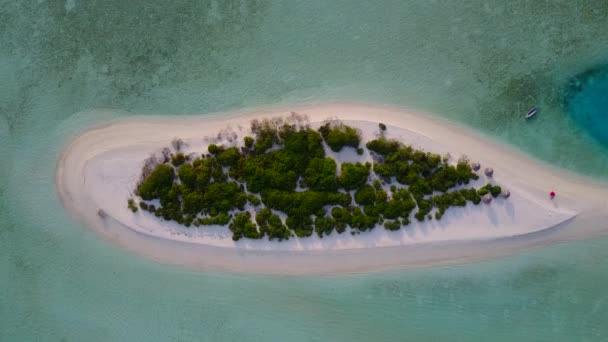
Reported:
(482, 63)
(587, 101)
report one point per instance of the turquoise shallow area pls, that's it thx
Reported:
(481, 63)
(587, 101)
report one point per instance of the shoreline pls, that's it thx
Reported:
(579, 195)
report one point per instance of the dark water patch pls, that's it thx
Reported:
(586, 100)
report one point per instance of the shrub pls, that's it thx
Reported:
(241, 226)
(248, 142)
(178, 159)
(470, 195)
(361, 221)
(377, 185)
(353, 176)
(229, 157)
(303, 203)
(271, 225)
(301, 225)
(214, 149)
(324, 225)
(187, 175)
(188, 220)
(381, 196)
(277, 230)
(220, 219)
(420, 215)
(392, 225)
(382, 126)
(262, 216)
(465, 172)
(157, 183)
(131, 204)
(321, 174)
(495, 190)
(373, 210)
(223, 197)
(342, 218)
(385, 171)
(338, 135)
(262, 144)
(366, 195)
(360, 151)
(144, 206)
(253, 200)
(383, 146)
(266, 136)
(400, 206)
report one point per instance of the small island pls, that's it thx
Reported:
(280, 182)
(335, 188)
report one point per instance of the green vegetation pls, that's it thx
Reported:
(178, 159)
(282, 170)
(271, 225)
(494, 190)
(353, 176)
(221, 219)
(131, 205)
(365, 195)
(321, 174)
(338, 136)
(241, 226)
(157, 184)
(392, 225)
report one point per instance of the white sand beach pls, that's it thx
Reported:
(99, 169)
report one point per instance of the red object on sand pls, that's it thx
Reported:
(552, 194)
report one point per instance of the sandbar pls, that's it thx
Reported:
(99, 168)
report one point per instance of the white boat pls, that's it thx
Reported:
(531, 112)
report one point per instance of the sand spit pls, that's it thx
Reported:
(99, 168)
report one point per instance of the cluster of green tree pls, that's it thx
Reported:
(220, 219)
(493, 190)
(271, 225)
(300, 206)
(456, 198)
(178, 159)
(284, 168)
(337, 136)
(281, 168)
(424, 174)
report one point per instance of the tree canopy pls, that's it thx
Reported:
(282, 170)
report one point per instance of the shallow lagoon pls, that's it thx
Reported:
(483, 64)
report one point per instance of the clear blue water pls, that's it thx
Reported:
(587, 102)
(482, 63)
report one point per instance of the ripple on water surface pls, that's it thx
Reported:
(587, 102)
